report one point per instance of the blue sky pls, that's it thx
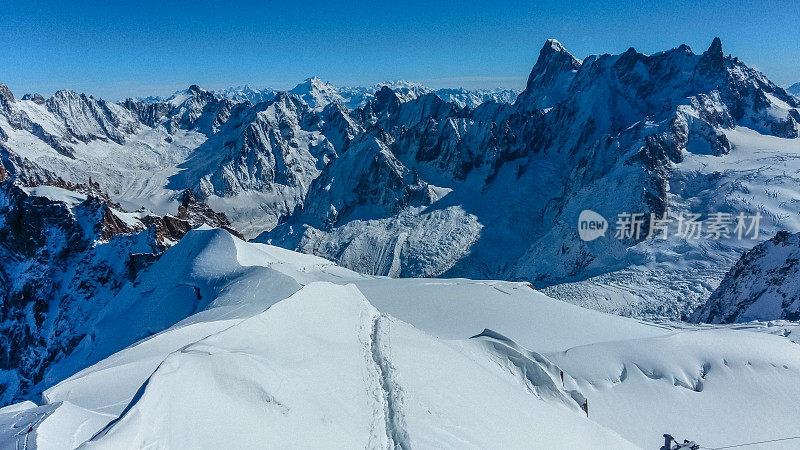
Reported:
(119, 49)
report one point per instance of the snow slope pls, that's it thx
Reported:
(267, 381)
(66, 251)
(271, 347)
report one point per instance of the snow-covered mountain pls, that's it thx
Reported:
(246, 93)
(794, 90)
(763, 285)
(66, 250)
(318, 94)
(410, 183)
(670, 133)
(222, 343)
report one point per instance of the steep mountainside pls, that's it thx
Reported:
(794, 89)
(407, 182)
(763, 285)
(66, 250)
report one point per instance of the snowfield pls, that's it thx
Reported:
(228, 344)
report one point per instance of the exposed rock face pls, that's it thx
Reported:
(36, 98)
(196, 213)
(6, 98)
(550, 77)
(763, 285)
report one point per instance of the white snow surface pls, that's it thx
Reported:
(228, 344)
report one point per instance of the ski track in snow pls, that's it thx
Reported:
(391, 393)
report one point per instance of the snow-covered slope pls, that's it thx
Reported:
(794, 90)
(763, 285)
(323, 368)
(241, 344)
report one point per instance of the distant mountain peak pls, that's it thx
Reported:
(715, 48)
(316, 92)
(794, 89)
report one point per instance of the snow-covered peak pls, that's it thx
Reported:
(550, 78)
(552, 45)
(316, 93)
(794, 89)
(246, 93)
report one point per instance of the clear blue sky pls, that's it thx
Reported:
(118, 49)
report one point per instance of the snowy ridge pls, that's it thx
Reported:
(248, 338)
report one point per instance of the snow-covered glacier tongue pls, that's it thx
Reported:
(225, 343)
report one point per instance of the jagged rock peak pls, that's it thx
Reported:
(550, 77)
(385, 95)
(715, 49)
(5, 94)
(36, 98)
(713, 60)
(553, 53)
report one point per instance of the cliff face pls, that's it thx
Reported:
(763, 285)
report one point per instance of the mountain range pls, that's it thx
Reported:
(404, 182)
(318, 94)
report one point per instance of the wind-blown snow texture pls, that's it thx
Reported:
(223, 343)
(406, 182)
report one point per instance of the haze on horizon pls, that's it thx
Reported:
(117, 50)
